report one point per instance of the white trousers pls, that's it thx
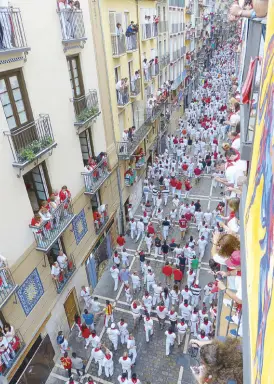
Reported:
(109, 370)
(168, 345)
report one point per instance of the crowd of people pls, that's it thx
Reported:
(206, 143)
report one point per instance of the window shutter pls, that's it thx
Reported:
(112, 22)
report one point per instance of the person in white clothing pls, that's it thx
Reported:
(113, 334)
(98, 355)
(150, 278)
(190, 277)
(147, 301)
(85, 294)
(123, 378)
(148, 240)
(148, 322)
(170, 339)
(114, 271)
(122, 326)
(128, 293)
(108, 363)
(182, 328)
(208, 295)
(206, 326)
(186, 294)
(125, 259)
(126, 363)
(140, 229)
(131, 346)
(202, 243)
(157, 288)
(136, 308)
(133, 228)
(202, 336)
(134, 379)
(208, 217)
(136, 282)
(161, 312)
(172, 315)
(186, 310)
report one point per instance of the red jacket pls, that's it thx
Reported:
(182, 223)
(167, 270)
(121, 241)
(173, 182)
(184, 167)
(178, 275)
(188, 216)
(179, 185)
(188, 186)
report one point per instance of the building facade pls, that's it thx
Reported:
(52, 126)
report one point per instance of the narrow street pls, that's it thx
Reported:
(152, 366)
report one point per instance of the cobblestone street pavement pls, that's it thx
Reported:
(152, 365)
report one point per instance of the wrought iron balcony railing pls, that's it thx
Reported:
(148, 74)
(155, 69)
(122, 97)
(12, 34)
(100, 222)
(135, 87)
(50, 230)
(149, 31)
(31, 141)
(118, 45)
(7, 285)
(86, 107)
(125, 149)
(96, 177)
(10, 356)
(131, 42)
(72, 25)
(65, 274)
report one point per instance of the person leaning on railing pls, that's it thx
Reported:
(221, 361)
(259, 10)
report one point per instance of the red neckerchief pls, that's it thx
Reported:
(172, 312)
(134, 305)
(202, 336)
(108, 356)
(124, 357)
(161, 308)
(97, 349)
(182, 323)
(230, 163)
(170, 332)
(231, 215)
(134, 380)
(186, 289)
(186, 305)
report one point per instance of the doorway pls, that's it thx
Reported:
(71, 307)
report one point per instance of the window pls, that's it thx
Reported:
(53, 253)
(87, 147)
(14, 99)
(127, 19)
(164, 13)
(75, 76)
(37, 185)
(114, 18)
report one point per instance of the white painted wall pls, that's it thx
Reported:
(47, 81)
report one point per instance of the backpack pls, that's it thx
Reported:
(60, 339)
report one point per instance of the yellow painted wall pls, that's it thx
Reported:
(259, 225)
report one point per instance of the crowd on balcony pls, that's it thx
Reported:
(96, 166)
(122, 88)
(10, 344)
(71, 19)
(100, 216)
(51, 212)
(61, 269)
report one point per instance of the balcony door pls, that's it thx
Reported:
(86, 144)
(75, 76)
(71, 307)
(37, 186)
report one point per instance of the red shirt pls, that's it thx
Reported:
(178, 275)
(173, 182)
(151, 230)
(66, 362)
(197, 171)
(121, 241)
(188, 216)
(167, 270)
(85, 333)
(188, 186)
(179, 185)
(183, 223)
(184, 167)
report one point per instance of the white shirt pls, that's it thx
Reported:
(55, 271)
(113, 334)
(126, 364)
(62, 261)
(182, 327)
(114, 273)
(122, 327)
(162, 314)
(140, 226)
(170, 337)
(185, 311)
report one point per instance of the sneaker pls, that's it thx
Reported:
(233, 332)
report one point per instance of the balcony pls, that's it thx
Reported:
(31, 141)
(7, 285)
(153, 113)
(122, 93)
(163, 26)
(100, 219)
(49, 231)
(176, 82)
(65, 275)
(130, 177)
(149, 31)
(148, 74)
(16, 346)
(13, 37)
(126, 149)
(72, 25)
(155, 69)
(96, 177)
(118, 45)
(135, 87)
(86, 109)
(131, 43)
